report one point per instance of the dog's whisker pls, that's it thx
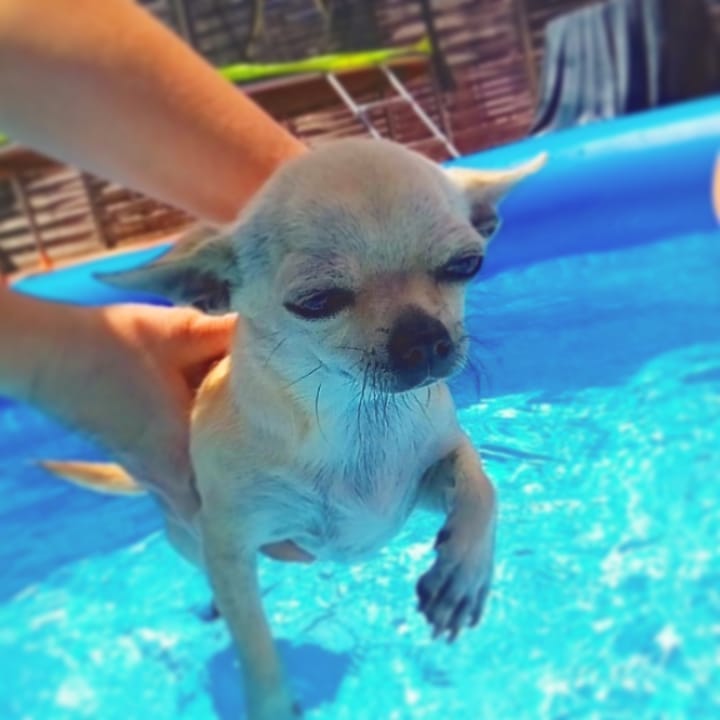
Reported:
(483, 343)
(350, 347)
(487, 345)
(362, 398)
(482, 370)
(422, 407)
(382, 402)
(478, 373)
(317, 410)
(303, 377)
(357, 363)
(274, 350)
(374, 395)
(390, 400)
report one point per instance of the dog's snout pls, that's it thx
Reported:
(419, 348)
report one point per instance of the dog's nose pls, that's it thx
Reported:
(419, 347)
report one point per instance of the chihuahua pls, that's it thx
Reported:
(331, 420)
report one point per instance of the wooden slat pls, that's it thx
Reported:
(494, 49)
(302, 94)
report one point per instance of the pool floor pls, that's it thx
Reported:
(599, 421)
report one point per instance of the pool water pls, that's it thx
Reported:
(595, 398)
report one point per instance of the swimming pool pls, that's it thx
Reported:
(595, 398)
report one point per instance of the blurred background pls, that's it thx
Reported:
(446, 77)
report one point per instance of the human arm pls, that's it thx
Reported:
(124, 374)
(108, 88)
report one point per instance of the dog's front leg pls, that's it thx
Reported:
(232, 569)
(452, 593)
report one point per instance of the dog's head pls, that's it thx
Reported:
(355, 257)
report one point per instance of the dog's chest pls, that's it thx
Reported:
(363, 486)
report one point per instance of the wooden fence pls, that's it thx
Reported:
(492, 48)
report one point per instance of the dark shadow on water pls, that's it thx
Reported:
(315, 673)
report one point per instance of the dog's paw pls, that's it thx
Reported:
(453, 592)
(279, 707)
(208, 613)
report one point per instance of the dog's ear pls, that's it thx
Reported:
(199, 270)
(483, 189)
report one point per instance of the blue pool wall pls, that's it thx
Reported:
(606, 185)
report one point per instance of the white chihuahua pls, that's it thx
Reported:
(331, 420)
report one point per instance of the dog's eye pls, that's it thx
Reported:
(487, 226)
(321, 304)
(460, 268)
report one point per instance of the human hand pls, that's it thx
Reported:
(127, 374)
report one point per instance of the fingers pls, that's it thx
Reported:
(198, 338)
(180, 336)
